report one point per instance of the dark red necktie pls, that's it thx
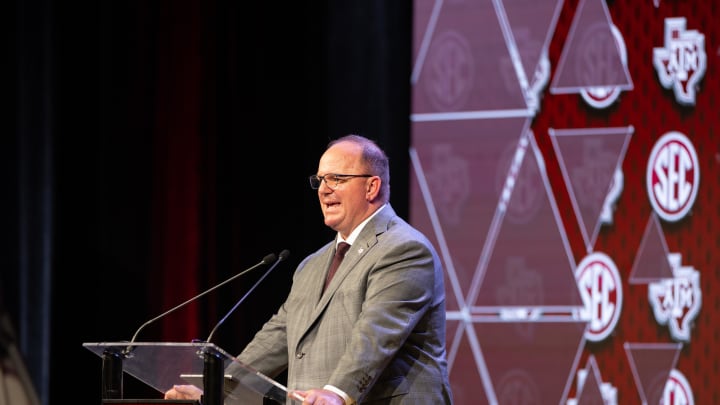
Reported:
(339, 256)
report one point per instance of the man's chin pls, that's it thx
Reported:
(331, 222)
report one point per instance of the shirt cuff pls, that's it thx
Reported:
(344, 396)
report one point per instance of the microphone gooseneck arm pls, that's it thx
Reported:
(282, 256)
(267, 259)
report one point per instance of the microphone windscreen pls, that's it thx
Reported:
(269, 258)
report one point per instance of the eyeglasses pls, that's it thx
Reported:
(333, 180)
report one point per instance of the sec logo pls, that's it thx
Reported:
(600, 287)
(673, 176)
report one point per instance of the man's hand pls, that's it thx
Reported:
(183, 392)
(317, 397)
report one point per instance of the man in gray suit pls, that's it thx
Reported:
(376, 333)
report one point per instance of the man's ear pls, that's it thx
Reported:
(373, 188)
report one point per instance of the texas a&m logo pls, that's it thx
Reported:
(676, 301)
(681, 63)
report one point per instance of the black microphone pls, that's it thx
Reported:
(266, 260)
(282, 256)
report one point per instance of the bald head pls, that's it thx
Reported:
(373, 158)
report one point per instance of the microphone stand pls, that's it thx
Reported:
(112, 359)
(265, 260)
(282, 256)
(214, 367)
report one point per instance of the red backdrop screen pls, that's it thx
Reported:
(565, 163)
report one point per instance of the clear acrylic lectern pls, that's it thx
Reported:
(162, 365)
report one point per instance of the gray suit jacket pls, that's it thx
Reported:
(377, 333)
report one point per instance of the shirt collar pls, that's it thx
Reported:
(354, 234)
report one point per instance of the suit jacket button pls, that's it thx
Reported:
(299, 355)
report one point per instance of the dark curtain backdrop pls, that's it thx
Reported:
(155, 149)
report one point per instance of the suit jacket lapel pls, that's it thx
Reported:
(365, 241)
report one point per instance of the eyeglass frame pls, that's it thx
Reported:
(339, 177)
